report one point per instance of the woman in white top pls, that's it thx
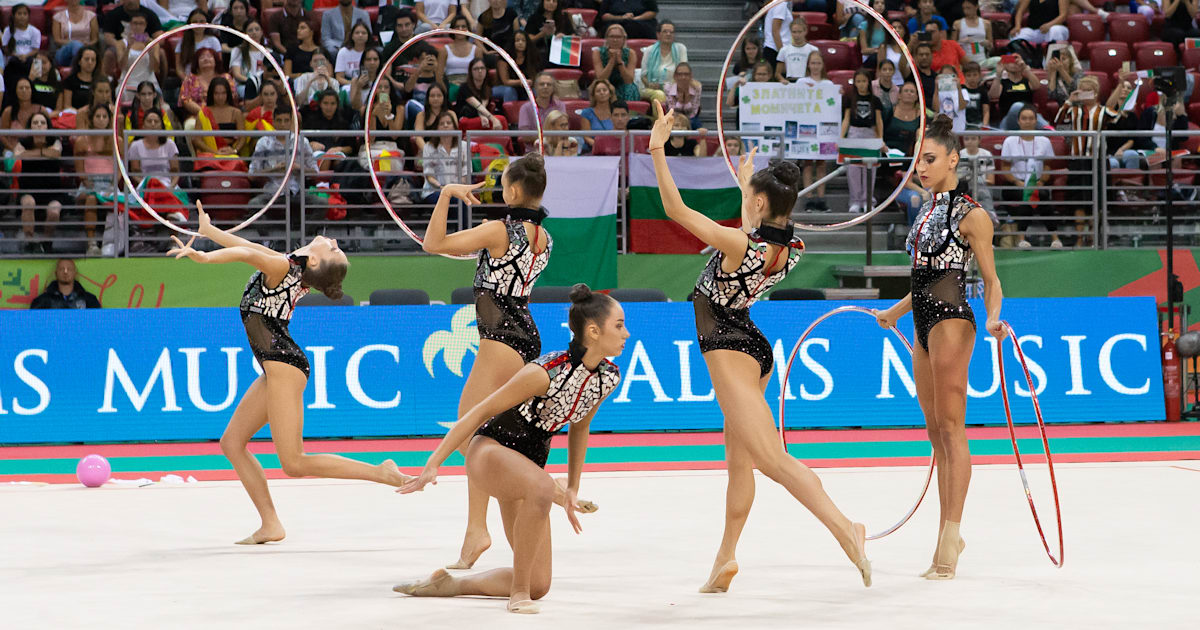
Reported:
(192, 42)
(440, 159)
(246, 63)
(349, 57)
(155, 157)
(433, 14)
(891, 52)
(1027, 172)
(456, 57)
(141, 67)
(71, 30)
(21, 39)
(973, 29)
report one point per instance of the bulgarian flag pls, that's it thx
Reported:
(705, 185)
(565, 50)
(581, 197)
(1191, 42)
(855, 150)
(1030, 194)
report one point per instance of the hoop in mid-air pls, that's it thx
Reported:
(441, 32)
(912, 162)
(124, 172)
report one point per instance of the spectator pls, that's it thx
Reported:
(792, 61)
(219, 112)
(270, 159)
(436, 103)
(733, 145)
(440, 159)
(952, 98)
(751, 54)
(349, 56)
(850, 20)
(193, 94)
(433, 14)
(1126, 151)
(1063, 72)
(17, 115)
(329, 116)
(418, 83)
(862, 118)
(284, 29)
(1045, 23)
(170, 11)
(115, 21)
(637, 17)
(1026, 155)
(761, 73)
(659, 60)
(678, 146)
(900, 134)
(102, 94)
(154, 163)
(560, 146)
(246, 63)
(973, 32)
(598, 117)
(777, 31)
(613, 145)
(360, 87)
(310, 85)
(131, 56)
(925, 75)
(94, 164)
(44, 77)
(40, 180)
(1082, 112)
(873, 37)
(237, 17)
(475, 98)
(617, 63)
(405, 23)
(65, 292)
(454, 59)
(77, 88)
(73, 29)
(683, 95)
(547, 21)
(1145, 8)
(1180, 16)
(884, 87)
(925, 12)
(946, 52)
(977, 166)
(498, 23)
(21, 39)
(192, 42)
(977, 110)
(298, 59)
(148, 100)
(262, 115)
(1014, 89)
(814, 73)
(511, 88)
(337, 25)
(892, 52)
(543, 92)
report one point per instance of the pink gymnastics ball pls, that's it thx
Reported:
(93, 471)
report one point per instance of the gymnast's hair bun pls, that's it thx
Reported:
(786, 173)
(580, 293)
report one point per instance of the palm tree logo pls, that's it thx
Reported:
(454, 343)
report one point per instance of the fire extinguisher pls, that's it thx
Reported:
(1172, 372)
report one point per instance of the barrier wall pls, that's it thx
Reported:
(176, 374)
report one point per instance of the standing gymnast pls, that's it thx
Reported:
(506, 458)
(512, 254)
(949, 229)
(277, 397)
(739, 357)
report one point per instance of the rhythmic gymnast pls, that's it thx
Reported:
(277, 397)
(513, 252)
(739, 357)
(949, 229)
(506, 457)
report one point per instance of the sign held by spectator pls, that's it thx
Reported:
(808, 112)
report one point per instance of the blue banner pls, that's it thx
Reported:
(177, 374)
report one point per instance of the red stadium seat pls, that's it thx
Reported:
(637, 45)
(1191, 59)
(1107, 57)
(565, 74)
(822, 30)
(1106, 84)
(589, 15)
(839, 55)
(373, 13)
(1127, 27)
(641, 144)
(894, 15)
(512, 111)
(585, 57)
(812, 17)
(1001, 23)
(844, 78)
(576, 104)
(992, 143)
(1086, 27)
(1193, 110)
(1149, 55)
(314, 20)
(1048, 110)
(640, 107)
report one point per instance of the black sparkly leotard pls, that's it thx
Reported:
(574, 392)
(940, 254)
(502, 287)
(722, 300)
(266, 313)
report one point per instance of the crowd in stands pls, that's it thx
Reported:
(1002, 65)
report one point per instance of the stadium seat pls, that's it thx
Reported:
(392, 297)
(1107, 57)
(512, 111)
(463, 295)
(1193, 110)
(896, 15)
(839, 55)
(589, 15)
(1106, 84)
(637, 45)
(1191, 59)
(638, 295)
(585, 58)
(1127, 27)
(542, 294)
(575, 104)
(812, 17)
(1048, 109)
(1086, 27)
(641, 144)
(844, 78)
(1150, 55)
(641, 107)
(565, 74)
(822, 30)
(992, 143)
(796, 294)
(314, 20)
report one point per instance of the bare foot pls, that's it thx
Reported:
(474, 544)
(721, 576)
(440, 584)
(265, 534)
(391, 474)
(560, 495)
(521, 604)
(861, 561)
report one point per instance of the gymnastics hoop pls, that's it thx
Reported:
(371, 108)
(912, 164)
(287, 175)
(1037, 410)
(783, 395)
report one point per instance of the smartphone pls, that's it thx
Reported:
(924, 37)
(1056, 54)
(1006, 59)
(1087, 96)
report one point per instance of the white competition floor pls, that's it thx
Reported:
(161, 556)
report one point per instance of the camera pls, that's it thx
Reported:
(1170, 81)
(924, 37)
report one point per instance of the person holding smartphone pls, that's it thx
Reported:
(1083, 113)
(1063, 72)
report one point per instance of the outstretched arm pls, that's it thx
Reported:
(731, 241)
(273, 264)
(223, 238)
(490, 235)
